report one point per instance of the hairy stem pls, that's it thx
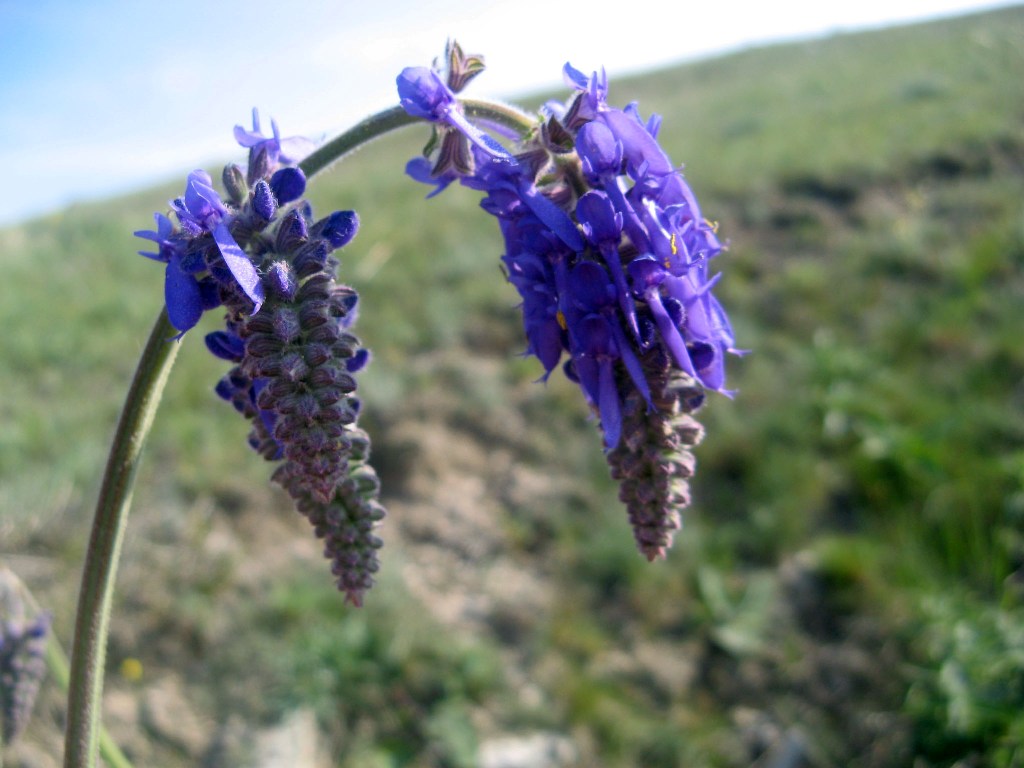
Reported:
(57, 663)
(88, 654)
(396, 117)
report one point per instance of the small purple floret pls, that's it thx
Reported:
(279, 151)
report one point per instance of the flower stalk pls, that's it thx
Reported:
(88, 653)
(92, 622)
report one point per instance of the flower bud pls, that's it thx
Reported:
(263, 203)
(234, 182)
(288, 184)
(280, 280)
(291, 232)
(311, 257)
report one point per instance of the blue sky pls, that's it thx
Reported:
(103, 97)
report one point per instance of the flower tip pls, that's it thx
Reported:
(653, 553)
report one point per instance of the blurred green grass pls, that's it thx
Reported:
(871, 188)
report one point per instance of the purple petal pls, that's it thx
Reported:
(721, 324)
(638, 145)
(669, 332)
(419, 169)
(201, 200)
(573, 77)
(226, 346)
(358, 361)
(599, 150)
(293, 149)
(632, 363)
(553, 216)
(181, 294)
(422, 93)
(250, 138)
(241, 267)
(646, 273)
(590, 286)
(601, 222)
(209, 293)
(545, 337)
(609, 406)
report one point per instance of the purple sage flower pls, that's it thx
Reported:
(287, 332)
(193, 251)
(293, 379)
(24, 633)
(608, 249)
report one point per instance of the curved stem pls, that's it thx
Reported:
(88, 654)
(92, 622)
(369, 129)
(391, 119)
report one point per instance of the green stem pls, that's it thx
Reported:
(501, 114)
(367, 130)
(396, 117)
(92, 622)
(57, 663)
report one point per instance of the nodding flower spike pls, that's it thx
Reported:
(605, 243)
(287, 332)
(24, 635)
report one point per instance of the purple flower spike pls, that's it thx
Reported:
(607, 248)
(23, 640)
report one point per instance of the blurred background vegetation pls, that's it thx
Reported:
(848, 589)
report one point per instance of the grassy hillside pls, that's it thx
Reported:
(849, 587)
